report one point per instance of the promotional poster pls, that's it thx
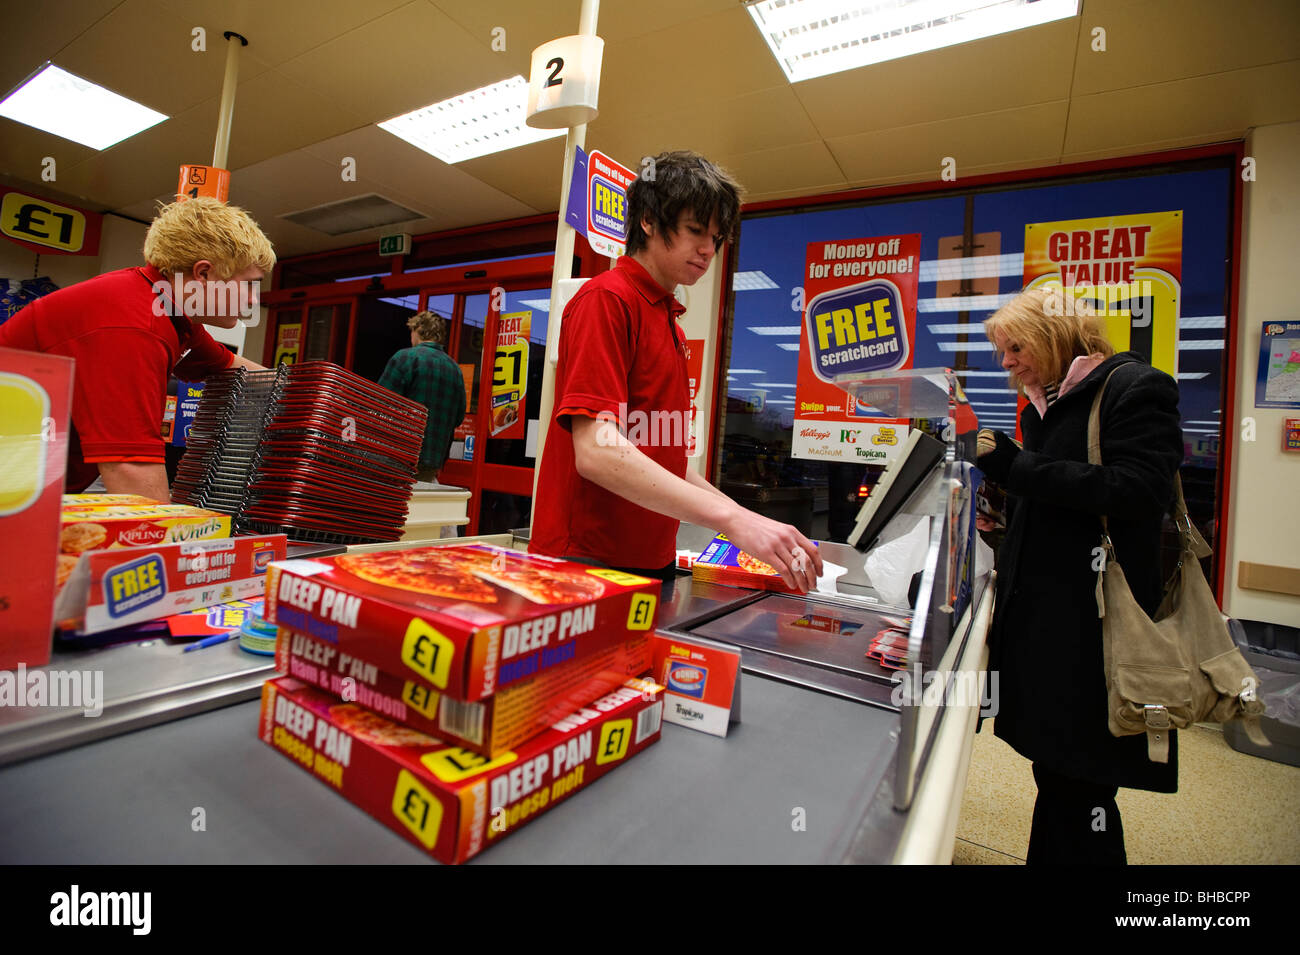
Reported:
(859, 319)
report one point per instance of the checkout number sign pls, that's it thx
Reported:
(510, 375)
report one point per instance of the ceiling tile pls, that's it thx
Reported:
(720, 57)
(1191, 108)
(1159, 40)
(531, 174)
(279, 30)
(1032, 134)
(801, 166)
(43, 35)
(23, 151)
(762, 120)
(943, 84)
(410, 58)
(444, 191)
(143, 32)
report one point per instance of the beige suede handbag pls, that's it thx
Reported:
(1182, 667)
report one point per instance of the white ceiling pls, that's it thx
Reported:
(318, 74)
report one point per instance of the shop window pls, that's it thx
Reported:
(758, 388)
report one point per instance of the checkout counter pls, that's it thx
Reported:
(834, 759)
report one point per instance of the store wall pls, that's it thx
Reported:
(1263, 519)
(703, 301)
(119, 247)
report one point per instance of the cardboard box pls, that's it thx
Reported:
(450, 802)
(137, 525)
(35, 403)
(722, 562)
(511, 716)
(113, 588)
(476, 635)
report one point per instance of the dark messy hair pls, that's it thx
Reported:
(681, 180)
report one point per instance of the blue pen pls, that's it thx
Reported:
(211, 641)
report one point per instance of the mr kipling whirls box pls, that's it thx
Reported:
(466, 619)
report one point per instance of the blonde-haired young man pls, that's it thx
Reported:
(129, 330)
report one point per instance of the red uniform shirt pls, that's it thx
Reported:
(124, 351)
(621, 354)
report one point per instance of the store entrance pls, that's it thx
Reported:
(498, 325)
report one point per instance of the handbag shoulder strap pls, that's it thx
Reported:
(1192, 539)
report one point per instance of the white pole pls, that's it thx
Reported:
(564, 242)
(226, 115)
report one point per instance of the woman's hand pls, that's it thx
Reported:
(996, 464)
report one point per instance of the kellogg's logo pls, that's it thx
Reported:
(143, 535)
(814, 433)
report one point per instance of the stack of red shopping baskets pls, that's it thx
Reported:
(311, 450)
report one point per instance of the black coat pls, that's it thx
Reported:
(1045, 640)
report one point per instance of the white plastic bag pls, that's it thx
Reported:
(890, 566)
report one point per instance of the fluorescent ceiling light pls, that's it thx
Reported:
(815, 37)
(1191, 375)
(962, 373)
(751, 281)
(974, 267)
(970, 328)
(1215, 423)
(774, 329)
(966, 346)
(483, 121)
(1201, 321)
(541, 304)
(775, 384)
(746, 371)
(964, 303)
(1200, 346)
(788, 346)
(58, 102)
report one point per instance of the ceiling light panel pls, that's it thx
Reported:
(812, 38)
(66, 105)
(478, 123)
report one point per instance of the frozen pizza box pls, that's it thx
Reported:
(511, 716)
(448, 801)
(107, 589)
(100, 527)
(467, 619)
(722, 562)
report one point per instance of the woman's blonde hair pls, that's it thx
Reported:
(1054, 327)
(204, 228)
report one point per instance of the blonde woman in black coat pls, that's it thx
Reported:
(1045, 640)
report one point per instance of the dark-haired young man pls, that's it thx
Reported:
(614, 482)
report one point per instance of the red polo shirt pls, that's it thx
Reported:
(124, 351)
(621, 353)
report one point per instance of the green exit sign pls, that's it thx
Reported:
(399, 244)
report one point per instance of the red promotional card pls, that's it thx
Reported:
(35, 404)
(701, 680)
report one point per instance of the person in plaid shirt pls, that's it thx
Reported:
(425, 373)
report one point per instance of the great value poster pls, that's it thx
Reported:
(1128, 267)
(510, 375)
(860, 317)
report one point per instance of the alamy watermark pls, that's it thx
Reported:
(951, 689)
(72, 689)
(217, 298)
(657, 429)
